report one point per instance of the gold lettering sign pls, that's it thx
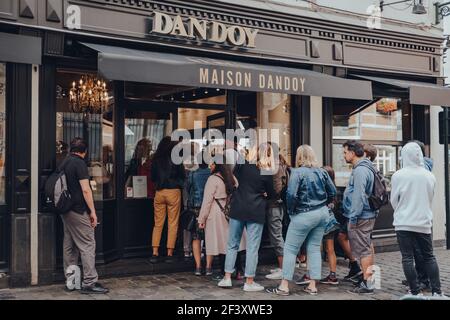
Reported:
(205, 30)
(245, 79)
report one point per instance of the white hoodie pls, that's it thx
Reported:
(412, 192)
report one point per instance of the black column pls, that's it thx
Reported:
(19, 170)
(47, 221)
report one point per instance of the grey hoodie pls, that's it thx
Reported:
(412, 192)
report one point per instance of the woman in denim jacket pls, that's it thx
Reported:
(310, 189)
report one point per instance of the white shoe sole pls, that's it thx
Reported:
(254, 290)
(274, 278)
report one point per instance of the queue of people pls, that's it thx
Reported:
(226, 206)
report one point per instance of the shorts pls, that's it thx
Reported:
(344, 226)
(331, 235)
(360, 237)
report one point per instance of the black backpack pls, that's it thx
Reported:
(380, 194)
(57, 196)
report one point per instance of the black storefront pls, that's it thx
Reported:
(158, 82)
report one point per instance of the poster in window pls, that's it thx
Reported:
(139, 186)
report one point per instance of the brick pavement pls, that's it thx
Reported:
(179, 286)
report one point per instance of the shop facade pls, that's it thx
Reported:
(164, 65)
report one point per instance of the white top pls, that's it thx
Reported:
(412, 192)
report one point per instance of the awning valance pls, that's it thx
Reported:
(421, 93)
(117, 63)
(20, 49)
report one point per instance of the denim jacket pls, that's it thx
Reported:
(309, 189)
(195, 186)
(356, 196)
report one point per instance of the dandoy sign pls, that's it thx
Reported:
(205, 30)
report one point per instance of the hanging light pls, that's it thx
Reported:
(89, 95)
(419, 8)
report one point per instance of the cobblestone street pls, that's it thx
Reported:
(180, 286)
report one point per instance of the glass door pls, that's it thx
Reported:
(143, 132)
(4, 225)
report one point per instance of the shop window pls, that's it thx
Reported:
(95, 125)
(384, 124)
(380, 121)
(270, 111)
(2, 132)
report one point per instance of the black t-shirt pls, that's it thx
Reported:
(76, 169)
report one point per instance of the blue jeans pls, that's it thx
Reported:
(254, 235)
(306, 226)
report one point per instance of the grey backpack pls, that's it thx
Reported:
(57, 196)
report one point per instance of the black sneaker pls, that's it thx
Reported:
(357, 280)
(422, 286)
(353, 275)
(361, 289)
(154, 259)
(217, 277)
(169, 259)
(97, 288)
(330, 280)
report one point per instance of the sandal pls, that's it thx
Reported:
(310, 291)
(278, 291)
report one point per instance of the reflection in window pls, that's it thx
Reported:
(387, 162)
(96, 129)
(270, 111)
(2, 131)
(379, 121)
(143, 132)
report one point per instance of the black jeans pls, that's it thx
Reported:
(420, 266)
(409, 241)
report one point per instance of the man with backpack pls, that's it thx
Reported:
(361, 216)
(81, 221)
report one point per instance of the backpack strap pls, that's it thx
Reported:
(62, 166)
(217, 200)
(370, 167)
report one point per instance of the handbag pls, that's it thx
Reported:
(188, 220)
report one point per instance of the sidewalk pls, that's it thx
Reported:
(187, 286)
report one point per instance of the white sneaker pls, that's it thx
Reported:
(440, 296)
(225, 283)
(254, 287)
(275, 275)
(275, 270)
(410, 296)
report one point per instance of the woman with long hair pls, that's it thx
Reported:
(220, 186)
(169, 181)
(248, 210)
(310, 189)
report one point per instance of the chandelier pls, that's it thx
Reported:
(89, 95)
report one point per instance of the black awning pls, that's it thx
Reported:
(20, 49)
(421, 93)
(116, 63)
